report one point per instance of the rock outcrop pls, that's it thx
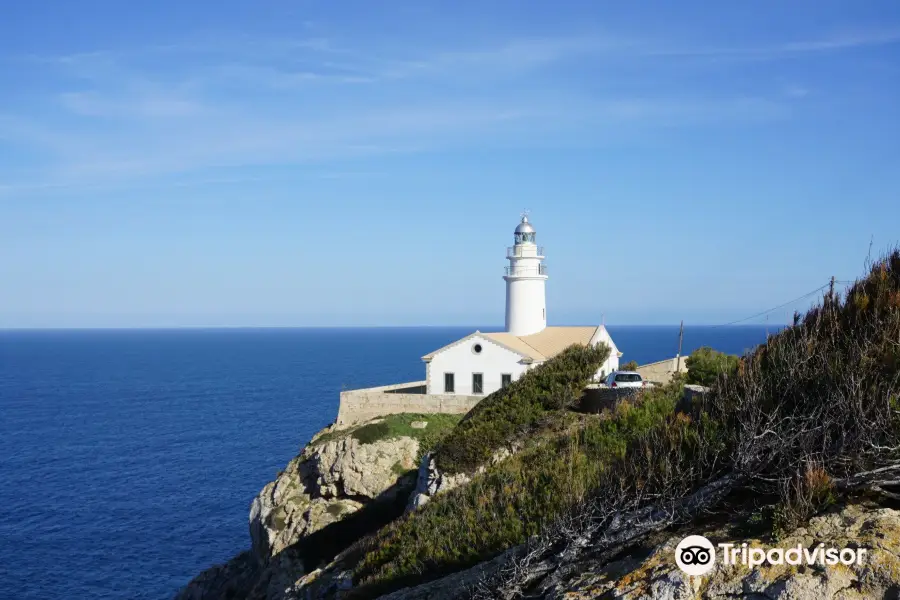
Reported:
(854, 526)
(333, 477)
(430, 481)
(327, 482)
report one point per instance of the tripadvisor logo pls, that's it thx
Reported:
(696, 555)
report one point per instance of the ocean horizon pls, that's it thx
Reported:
(487, 328)
(131, 455)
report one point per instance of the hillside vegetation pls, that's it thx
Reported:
(802, 421)
(809, 417)
(510, 502)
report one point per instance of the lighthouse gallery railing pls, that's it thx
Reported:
(524, 251)
(522, 271)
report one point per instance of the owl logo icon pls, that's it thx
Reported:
(695, 555)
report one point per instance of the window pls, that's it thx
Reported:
(477, 383)
(628, 378)
(476, 348)
(505, 379)
(449, 383)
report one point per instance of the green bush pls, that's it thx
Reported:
(513, 411)
(631, 365)
(704, 365)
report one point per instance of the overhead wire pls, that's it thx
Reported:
(765, 312)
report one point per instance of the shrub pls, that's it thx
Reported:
(802, 496)
(631, 365)
(704, 365)
(820, 392)
(512, 412)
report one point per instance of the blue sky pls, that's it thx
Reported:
(355, 163)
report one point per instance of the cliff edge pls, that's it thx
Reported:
(304, 516)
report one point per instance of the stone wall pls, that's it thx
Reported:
(361, 405)
(662, 371)
(597, 398)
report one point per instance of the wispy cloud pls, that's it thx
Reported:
(845, 40)
(226, 101)
(826, 43)
(138, 105)
(796, 91)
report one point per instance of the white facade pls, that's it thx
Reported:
(464, 360)
(526, 304)
(490, 356)
(612, 362)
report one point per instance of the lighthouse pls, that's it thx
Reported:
(484, 362)
(526, 275)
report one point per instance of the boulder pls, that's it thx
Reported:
(328, 481)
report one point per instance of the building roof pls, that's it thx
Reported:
(537, 347)
(547, 343)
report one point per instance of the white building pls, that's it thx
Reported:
(482, 363)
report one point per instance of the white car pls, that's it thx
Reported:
(625, 379)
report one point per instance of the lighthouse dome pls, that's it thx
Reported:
(525, 226)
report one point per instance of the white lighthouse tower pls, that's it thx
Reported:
(526, 304)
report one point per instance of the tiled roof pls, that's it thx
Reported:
(546, 343)
(538, 346)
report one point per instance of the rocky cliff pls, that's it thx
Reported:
(327, 482)
(337, 475)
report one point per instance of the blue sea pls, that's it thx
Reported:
(128, 458)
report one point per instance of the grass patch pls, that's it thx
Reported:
(336, 434)
(511, 501)
(398, 425)
(513, 411)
